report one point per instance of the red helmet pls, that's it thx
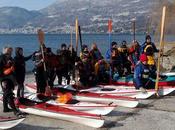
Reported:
(143, 57)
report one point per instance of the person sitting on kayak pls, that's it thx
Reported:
(116, 61)
(142, 75)
(19, 61)
(7, 81)
(124, 52)
(85, 53)
(102, 71)
(95, 54)
(86, 68)
(149, 49)
(108, 53)
(134, 51)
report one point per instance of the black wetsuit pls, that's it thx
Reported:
(7, 83)
(20, 73)
(40, 74)
(64, 68)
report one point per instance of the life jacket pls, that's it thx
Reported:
(151, 60)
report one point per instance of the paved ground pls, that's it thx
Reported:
(152, 114)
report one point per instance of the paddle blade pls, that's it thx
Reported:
(41, 36)
(110, 26)
(76, 32)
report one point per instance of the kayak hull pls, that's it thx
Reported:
(7, 123)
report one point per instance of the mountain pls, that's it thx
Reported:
(93, 16)
(15, 17)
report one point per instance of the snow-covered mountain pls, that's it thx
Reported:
(92, 14)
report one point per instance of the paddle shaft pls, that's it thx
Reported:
(76, 33)
(79, 28)
(161, 47)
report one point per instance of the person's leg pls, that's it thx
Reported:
(150, 84)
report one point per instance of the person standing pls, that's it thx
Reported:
(64, 67)
(19, 64)
(39, 72)
(7, 81)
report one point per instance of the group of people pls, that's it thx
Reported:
(87, 69)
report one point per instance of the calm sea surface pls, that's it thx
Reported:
(30, 42)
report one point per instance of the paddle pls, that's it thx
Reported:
(41, 41)
(134, 30)
(81, 44)
(76, 33)
(109, 31)
(161, 47)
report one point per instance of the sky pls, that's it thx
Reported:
(27, 4)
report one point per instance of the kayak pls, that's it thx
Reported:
(57, 112)
(163, 90)
(9, 122)
(169, 74)
(128, 80)
(116, 91)
(92, 108)
(92, 97)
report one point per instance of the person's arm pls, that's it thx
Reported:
(155, 48)
(1, 65)
(28, 57)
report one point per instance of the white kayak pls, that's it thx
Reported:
(169, 74)
(9, 122)
(95, 97)
(57, 112)
(92, 108)
(163, 90)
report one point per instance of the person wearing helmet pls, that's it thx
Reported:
(142, 75)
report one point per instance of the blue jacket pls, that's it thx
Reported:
(144, 45)
(108, 54)
(141, 75)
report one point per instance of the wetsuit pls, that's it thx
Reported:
(40, 74)
(142, 77)
(64, 68)
(20, 71)
(7, 82)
